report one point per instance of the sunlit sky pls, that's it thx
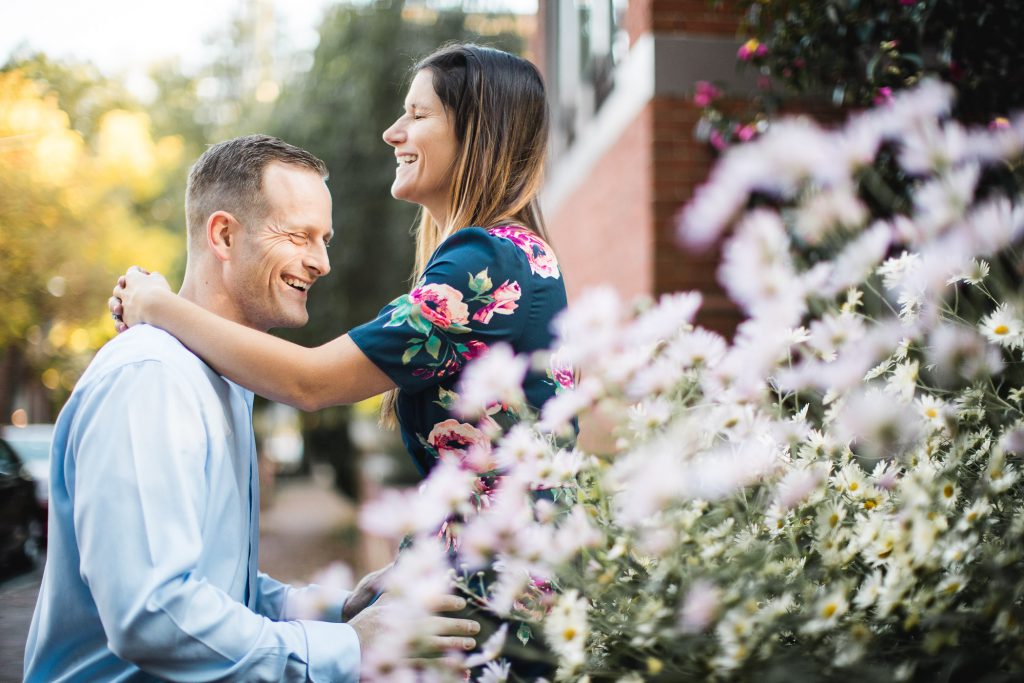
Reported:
(123, 36)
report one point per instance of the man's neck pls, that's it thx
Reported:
(206, 291)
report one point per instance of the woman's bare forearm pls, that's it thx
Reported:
(335, 373)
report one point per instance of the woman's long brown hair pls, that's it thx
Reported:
(497, 104)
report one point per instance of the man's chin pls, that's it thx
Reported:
(290, 321)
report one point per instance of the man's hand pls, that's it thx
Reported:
(368, 588)
(439, 634)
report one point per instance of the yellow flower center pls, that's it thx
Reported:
(854, 486)
(569, 634)
(931, 412)
(833, 520)
(870, 504)
(947, 491)
(1001, 329)
(829, 609)
(751, 44)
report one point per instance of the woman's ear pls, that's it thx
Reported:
(221, 231)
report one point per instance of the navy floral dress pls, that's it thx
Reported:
(479, 288)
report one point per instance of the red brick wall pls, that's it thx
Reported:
(603, 231)
(693, 16)
(681, 164)
(637, 20)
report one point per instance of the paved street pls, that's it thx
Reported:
(17, 600)
(305, 527)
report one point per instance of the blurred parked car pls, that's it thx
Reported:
(32, 444)
(22, 524)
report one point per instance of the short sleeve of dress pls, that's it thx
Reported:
(467, 300)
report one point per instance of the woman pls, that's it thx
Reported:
(470, 148)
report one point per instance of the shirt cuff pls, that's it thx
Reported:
(333, 652)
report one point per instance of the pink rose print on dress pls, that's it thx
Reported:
(441, 304)
(452, 438)
(561, 371)
(538, 253)
(505, 298)
(474, 349)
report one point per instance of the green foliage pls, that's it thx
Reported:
(854, 49)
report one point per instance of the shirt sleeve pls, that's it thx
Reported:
(470, 297)
(140, 490)
(279, 601)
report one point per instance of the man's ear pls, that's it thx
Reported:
(221, 233)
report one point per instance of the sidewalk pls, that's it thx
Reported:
(306, 527)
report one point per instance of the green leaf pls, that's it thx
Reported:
(398, 318)
(433, 346)
(458, 329)
(410, 353)
(480, 282)
(419, 323)
(523, 633)
(445, 398)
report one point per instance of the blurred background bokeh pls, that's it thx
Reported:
(101, 120)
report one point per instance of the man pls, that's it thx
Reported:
(152, 564)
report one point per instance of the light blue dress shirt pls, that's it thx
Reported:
(151, 571)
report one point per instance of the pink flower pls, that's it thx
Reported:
(746, 132)
(452, 438)
(751, 49)
(565, 377)
(717, 141)
(475, 349)
(441, 304)
(538, 253)
(884, 95)
(908, 3)
(505, 298)
(705, 94)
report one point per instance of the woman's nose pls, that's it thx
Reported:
(394, 134)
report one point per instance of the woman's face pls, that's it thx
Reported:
(425, 148)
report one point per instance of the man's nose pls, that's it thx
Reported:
(317, 259)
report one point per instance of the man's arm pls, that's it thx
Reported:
(140, 498)
(279, 601)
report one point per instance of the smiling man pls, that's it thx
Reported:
(152, 572)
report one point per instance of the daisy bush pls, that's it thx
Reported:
(834, 493)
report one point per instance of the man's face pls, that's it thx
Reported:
(277, 259)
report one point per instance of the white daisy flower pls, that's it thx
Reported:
(1003, 327)
(974, 275)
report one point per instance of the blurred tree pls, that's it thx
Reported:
(338, 110)
(69, 222)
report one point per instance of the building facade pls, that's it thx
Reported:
(624, 157)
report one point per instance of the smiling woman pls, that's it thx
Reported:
(426, 149)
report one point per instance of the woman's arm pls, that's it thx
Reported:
(334, 373)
